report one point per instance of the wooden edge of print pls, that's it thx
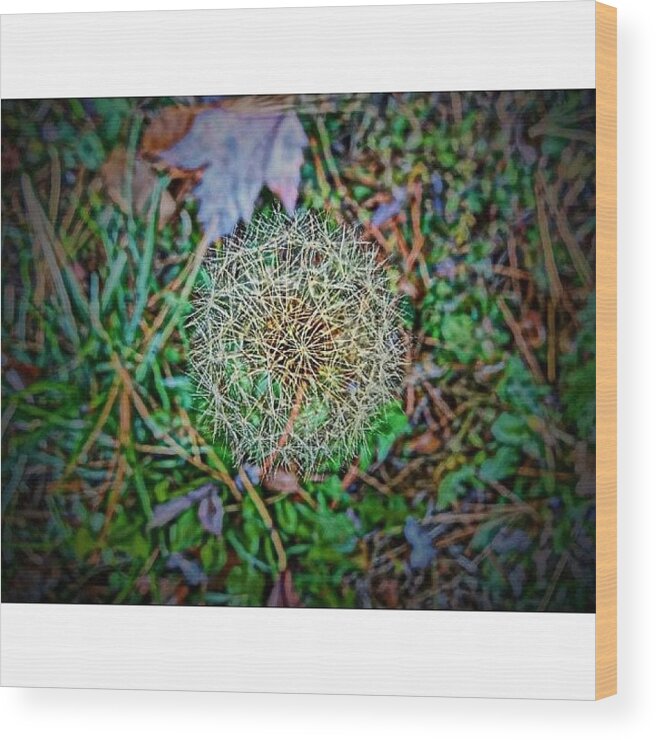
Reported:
(606, 548)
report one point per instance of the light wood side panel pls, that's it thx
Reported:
(606, 85)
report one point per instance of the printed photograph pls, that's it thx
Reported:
(330, 351)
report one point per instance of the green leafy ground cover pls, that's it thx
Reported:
(477, 491)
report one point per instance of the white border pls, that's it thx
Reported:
(491, 46)
(336, 651)
(446, 47)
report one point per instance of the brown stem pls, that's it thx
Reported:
(296, 408)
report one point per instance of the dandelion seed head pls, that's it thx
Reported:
(295, 322)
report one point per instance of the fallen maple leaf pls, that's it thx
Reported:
(240, 151)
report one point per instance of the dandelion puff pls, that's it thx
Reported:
(296, 342)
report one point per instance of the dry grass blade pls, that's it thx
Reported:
(555, 286)
(576, 253)
(36, 218)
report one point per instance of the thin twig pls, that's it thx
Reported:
(520, 341)
(289, 426)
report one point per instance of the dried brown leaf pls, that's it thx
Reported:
(425, 444)
(282, 481)
(144, 178)
(167, 128)
(283, 592)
